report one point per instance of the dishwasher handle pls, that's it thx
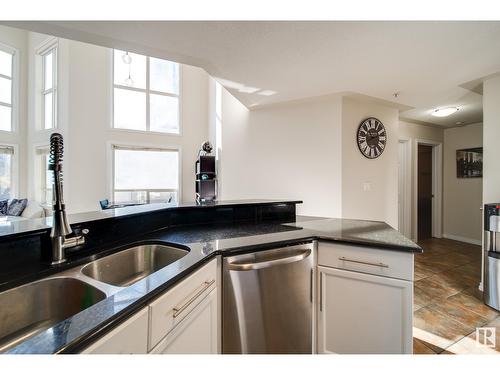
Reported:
(279, 260)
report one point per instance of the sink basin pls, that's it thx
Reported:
(131, 265)
(30, 309)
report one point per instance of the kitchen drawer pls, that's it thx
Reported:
(374, 261)
(170, 308)
(130, 337)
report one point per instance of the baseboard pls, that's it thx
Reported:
(463, 239)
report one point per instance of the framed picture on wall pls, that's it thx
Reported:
(470, 163)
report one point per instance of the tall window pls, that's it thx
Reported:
(49, 88)
(45, 182)
(6, 89)
(146, 93)
(6, 154)
(145, 174)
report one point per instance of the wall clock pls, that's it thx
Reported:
(371, 138)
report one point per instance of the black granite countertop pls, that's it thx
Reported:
(20, 227)
(204, 243)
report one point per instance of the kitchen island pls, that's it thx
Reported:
(359, 265)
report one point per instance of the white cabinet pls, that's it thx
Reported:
(196, 334)
(183, 320)
(130, 337)
(177, 315)
(361, 312)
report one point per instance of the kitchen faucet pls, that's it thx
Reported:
(61, 236)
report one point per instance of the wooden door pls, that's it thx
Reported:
(424, 192)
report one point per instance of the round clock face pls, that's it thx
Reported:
(372, 138)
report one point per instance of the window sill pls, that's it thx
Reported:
(134, 131)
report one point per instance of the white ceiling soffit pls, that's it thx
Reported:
(267, 62)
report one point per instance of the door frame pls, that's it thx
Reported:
(404, 192)
(437, 187)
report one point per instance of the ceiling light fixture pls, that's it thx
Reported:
(126, 58)
(267, 92)
(443, 112)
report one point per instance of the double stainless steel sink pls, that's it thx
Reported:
(32, 308)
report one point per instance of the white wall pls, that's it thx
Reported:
(462, 196)
(491, 136)
(380, 202)
(307, 150)
(290, 151)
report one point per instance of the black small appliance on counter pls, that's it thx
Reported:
(206, 178)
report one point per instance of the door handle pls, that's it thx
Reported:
(236, 266)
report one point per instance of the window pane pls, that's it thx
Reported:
(164, 115)
(162, 196)
(5, 118)
(5, 64)
(130, 196)
(5, 176)
(5, 90)
(47, 60)
(47, 122)
(164, 76)
(136, 68)
(129, 109)
(48, 174)
(140, 169)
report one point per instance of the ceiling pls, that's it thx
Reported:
(262, 63)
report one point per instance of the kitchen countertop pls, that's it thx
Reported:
(19, 226)
(204, 243)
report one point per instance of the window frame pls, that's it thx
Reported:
(14, 164)
(41, 186)
(112, 146)
(148, 92)
(51, 46)
(14, 88)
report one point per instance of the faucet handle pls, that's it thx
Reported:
(81, 232)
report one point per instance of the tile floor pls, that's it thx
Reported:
(447, 304)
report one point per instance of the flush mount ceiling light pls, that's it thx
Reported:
(443, 112)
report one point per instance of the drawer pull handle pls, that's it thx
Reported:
(344, 259)
(204, 287)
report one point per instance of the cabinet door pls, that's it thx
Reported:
(196, 334)
(130, 337)
(360, 313)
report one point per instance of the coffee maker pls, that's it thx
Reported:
(492, 255)
(206, 178)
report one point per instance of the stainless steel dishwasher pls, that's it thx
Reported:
(267, 301)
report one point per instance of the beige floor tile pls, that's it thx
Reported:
(420, 348)
(459, 313)
(473, 304)
(437, 330)
(435, 288)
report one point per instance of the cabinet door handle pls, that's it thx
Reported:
(344, 259)
(320, 291)
(203, 288)
(311, 286)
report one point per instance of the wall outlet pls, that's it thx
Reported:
(367, 186)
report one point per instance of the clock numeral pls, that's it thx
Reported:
(381, 145)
